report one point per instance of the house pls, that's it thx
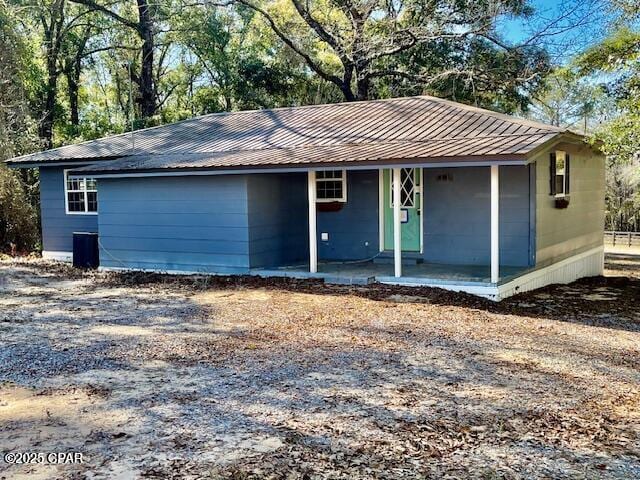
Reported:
(415, 191)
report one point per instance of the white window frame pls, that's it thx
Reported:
(416, 188)
(85, 191)
(563, 154)
(342, 199)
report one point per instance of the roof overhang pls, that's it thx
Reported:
(67, 162)
(566, 137)
(442, 162)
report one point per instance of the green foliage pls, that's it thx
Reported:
(18, 220)
(251, 54)
(619, 140)
(568, 100)
(616, 63)
(477, 73)
(371, 49)
(618, 56)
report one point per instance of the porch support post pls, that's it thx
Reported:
(313, 234)
(397, 233)
(495, 224)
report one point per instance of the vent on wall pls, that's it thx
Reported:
(444, 177)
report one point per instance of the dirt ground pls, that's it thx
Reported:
(163, 377)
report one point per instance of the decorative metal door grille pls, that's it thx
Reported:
(407, 187)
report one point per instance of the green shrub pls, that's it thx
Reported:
(18, 218)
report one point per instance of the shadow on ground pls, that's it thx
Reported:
(167, 377)
(593, 301)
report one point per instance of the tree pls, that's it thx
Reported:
(72, 69)
(145, 26)
(617, 58)
(18, 218)
(64, 30)
(354, 43)
(238, 64)
(567, 100)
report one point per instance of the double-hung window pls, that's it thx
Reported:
(559, 173)
(81, 195)
(331, 186)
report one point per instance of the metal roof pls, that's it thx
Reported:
(492, 148)
(403, 128)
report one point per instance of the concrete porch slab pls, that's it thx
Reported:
(363, 273)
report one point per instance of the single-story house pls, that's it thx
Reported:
(415, 191)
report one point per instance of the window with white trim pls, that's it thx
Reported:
(81, 194)
(559, 173)
(331, 186)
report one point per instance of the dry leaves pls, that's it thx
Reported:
(165, 377)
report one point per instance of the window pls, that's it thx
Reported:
(407, 187)
(331, 186)
(81, 194)
(559, 173)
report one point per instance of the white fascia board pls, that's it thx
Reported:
(301, 169)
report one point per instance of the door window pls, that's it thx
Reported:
(407, 188)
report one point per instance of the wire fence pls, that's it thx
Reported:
(622, 239)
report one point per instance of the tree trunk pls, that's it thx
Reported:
(73, 83)
(46, 126)
(147, 87)
(345, 86)
(53, 38)
(363, 89)
(363, 83)
(73, 70)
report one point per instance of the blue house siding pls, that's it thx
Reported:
(231, 223)
(278, 219)
(57, 225)
(353, 230)
(196, 224)
(457, 216)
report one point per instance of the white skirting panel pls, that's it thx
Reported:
(57, 256)
(585, 264)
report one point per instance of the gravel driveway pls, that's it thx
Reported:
(159, 377)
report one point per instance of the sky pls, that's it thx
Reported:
(569, 26)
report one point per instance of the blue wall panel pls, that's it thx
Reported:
(57, 225)
(457, 216)
(196, 224)
(353, 230)
(278, 219)
(227, 224)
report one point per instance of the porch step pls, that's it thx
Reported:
(408, 258)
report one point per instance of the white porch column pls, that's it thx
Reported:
(313, 234)
(495, 224)
(397, 233)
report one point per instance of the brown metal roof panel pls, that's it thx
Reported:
(530, 142)
(476, 146)
(415, 118)
(514, 144)
(466, 129)
(441, 120)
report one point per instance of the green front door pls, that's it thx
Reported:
(410, 201)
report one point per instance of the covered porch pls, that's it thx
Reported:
(455, 238)
(459, 227)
